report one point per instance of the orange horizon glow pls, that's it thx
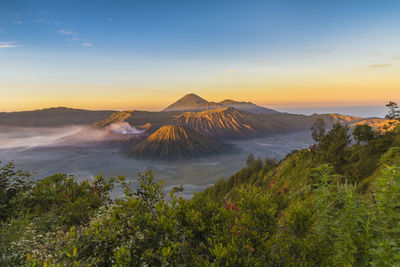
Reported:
(362, 90)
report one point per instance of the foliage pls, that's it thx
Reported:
(385, 245)
(256, 172)
(12, 183)
(333, 146)
(390, 155)
(394, 112)
(318, 129)
(43, 212)
(363, 133)
(342, 220)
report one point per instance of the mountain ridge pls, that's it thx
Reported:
(193, 102)
(53, 117)
(225, 122)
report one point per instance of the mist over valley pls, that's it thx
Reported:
(195, 144)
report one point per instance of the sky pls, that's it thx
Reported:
(306, 56)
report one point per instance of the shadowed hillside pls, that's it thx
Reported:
(52, 117)
(247, 106)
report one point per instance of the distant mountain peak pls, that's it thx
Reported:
(193, 95)
(190, 102)
(193, 102)
(192, 99)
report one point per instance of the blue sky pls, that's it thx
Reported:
(122, 54)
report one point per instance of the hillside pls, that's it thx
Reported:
(352, 121)
(228, 123)
(172, 142)
(361, 164)
(52, 117)
(140, 119)
(247, 106)
(192, 102)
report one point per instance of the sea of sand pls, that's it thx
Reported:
(37, 150)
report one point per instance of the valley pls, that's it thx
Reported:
(192, 142)
(89, 160)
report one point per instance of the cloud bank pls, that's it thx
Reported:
(9, 44)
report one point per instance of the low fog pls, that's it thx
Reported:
(70, 150)
(23, 138)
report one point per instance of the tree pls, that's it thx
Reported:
(394, 112)
(12, 183)
(250, 160)
(385, 242)
(333, 145)
(318, 129)
(363, 133)
(343, 220)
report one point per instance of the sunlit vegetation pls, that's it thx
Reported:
(60, 221)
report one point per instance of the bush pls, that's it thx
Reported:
(12, 183)
(325, 222)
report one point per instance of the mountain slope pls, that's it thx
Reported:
(363, 165)
(172, 142)
(146, 120)
(352, 121)
(191, 102)
(247, 106)
(227, 123)
(115, 117)
(52, 117)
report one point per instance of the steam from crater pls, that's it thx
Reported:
(123, 128)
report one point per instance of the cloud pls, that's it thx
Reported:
(67, 32)
(9, 45)
(230, 71)
(87, 44)
(74, 37)
(19, 22)
(109, 19)
(47, 21)
(378, 66)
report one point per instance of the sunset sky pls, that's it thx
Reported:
(146, 54)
